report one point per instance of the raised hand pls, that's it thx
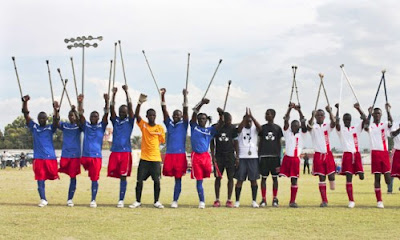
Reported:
(205, 101)
(125, 87)
(114, 90)
(80, 98)
(26, 98)
(163, 91)
(142, 98)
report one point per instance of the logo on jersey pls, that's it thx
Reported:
(270, 136)
(223, 138)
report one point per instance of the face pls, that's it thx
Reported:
(228, 120)
(320, 117)
(347, 120)
(94, 118)
(176, 116)
(123, 112)
(202, 120)
(269, 116)
(248, 123)
(42, 119)
(151, 116)
(72, 117)
(377, 114)
(295, 126)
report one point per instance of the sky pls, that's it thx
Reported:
(258, 41)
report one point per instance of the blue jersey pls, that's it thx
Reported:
(201, 137)
(42, 141)
(176, 135)
(93, 139)
(71, 147)
(122, 134)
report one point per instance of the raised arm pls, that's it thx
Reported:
(311, 121)
(396, 132)
(390, 119)
(362, 114)
(197, 108)
(331, 117)
(142, 99)
(25, 110)
(128, 102)
(302, 119)
(241, 125)
(286, 118)
(106, 108)
(112, 104)
(185, 105)
(163, 104)
(80, 109)
(56, 114)
(337, 124)
(256, 123)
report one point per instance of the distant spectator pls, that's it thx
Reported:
(306, 164)
(22, 161)
(3, 160)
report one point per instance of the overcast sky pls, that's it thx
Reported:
(258, 41)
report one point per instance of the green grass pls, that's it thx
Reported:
(20, 218)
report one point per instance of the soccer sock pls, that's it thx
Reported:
(157, 190)
(275, 192)
(122, 189)
(200, 190)
(378, 194)
(264, 193)
(349, 190)
(293, 193)
(95, 187)
(41, 189)
(237, 193)
(72, 188)
(139, 187)
(254, 192)
(322, 190)
(177, 188)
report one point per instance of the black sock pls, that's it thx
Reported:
(139, 187)
(156, 191)
(237, 193)
(254, 192)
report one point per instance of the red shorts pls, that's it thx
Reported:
(323, 164)
(93, 166)
(351, 163)
(175, 165)
(201, 165)
(380, 161)
(45, 169)
(290, 167)
(70, 166)
(119, 164)
(396, 164)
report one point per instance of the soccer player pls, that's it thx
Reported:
(150, 158)
(351, 160)
(225, 155)
(380, 162)
(269, 151)
(70, 162)
(200, 138)
(44, 158)
(323, 162)
(248, 165)
(92, 144)
(175, 162)
(120, 161)
(294, 144)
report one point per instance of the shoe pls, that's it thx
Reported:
(217, 203)
(158, 205)
(70, 203)
(43, 203)
(263, 203)
(352, 204)
(237, 204)
(254, 204)
(389, 192)
(120, 204)
(135, 205)
(324, 204)
(93, 204)
(202, 205)
(293, 205)
(174, 204)
(229, 204)
(275, 202)
(380, 205)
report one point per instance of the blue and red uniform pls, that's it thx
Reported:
(71, 149)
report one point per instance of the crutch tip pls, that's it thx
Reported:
(341, 65)
(220, 60)
(119, 41)
(58, 70)
(71, 58)
(13, 58)
(115, 44)
(230, 82)
(143, 51)
(47, 61)
(384, 70)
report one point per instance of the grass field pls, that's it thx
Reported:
(20, 218)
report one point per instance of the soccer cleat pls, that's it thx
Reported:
(324, 204)
(254, 204)
(202, 205)
(135, 205)
(217, 203)
(293, 205)
(120, 204)
(237, 204)
(263, 203)
(43, 203)
(70, 203)
(380, 205)
(229, 204)
(93, 204)
(352, 204)
(174, 204)
(158, 205)
(275, 202)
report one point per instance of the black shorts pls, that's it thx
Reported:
(248, 169)
(270, 165)
(147, 169)
(226, 161)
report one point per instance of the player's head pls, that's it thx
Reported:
(227, 118)
(72, 116)
(347, 119)
(320, 116)
(94, 117)
(295, 126)
(202, 119)
(377, 114)
(151, 115)
(248, 122)
(270, 115)
(123, 111)
(42, 119)
(177, 115)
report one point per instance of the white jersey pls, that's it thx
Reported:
(320, 137)
(349, 137)
(248, 139)
(293, 142)
(378, 136)
(396, 140)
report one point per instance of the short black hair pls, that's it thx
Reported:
(346, 115)
(122, 106)
(377, 109)
(272, 111)
(320, 110)
(227, 115)
(150, 110)
(95, 112)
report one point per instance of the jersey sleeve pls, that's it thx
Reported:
(104, 126)
(141, 124)
(193, 125)
(30, 125)
(161, 137)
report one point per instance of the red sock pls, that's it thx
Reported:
(378, 194)
(293, 193)
(322, 190)
(349, 189)
(275, 192)
(264, 194)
